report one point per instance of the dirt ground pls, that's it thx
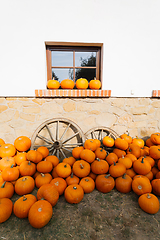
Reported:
(97, 217)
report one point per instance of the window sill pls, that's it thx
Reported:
(72, 93)
(156, 93)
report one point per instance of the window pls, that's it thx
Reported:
(74, 61)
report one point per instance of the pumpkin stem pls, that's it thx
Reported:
(3, 185)
(81, 166)
(124, 176)
(86, 179)
(12, 165)
(108, 175)
(139, 187)
(98, 159)
(29, 163)
(74, 188)
(114, 163)
(39, 209)
(42, 174)
(24, 198)
(142, 160)
(65, 166)
(72, 175)
(148, 196)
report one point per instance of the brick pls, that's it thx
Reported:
(139, 110)
(31, 110)
(27, 117)
(3, 108)
(106, 119)
(15, 105)
(69, 106)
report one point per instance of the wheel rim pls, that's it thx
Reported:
(59, 135)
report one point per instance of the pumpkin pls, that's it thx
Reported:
(67, 84)
(134, 149)
(44, 150)
(104, 183)
(92, 175)
(6, 190)
(87, 155)
(10, 173)
(121, 143)
(141, 185)
(6, 162)
(44, 166)
(155, 138)
(95, 84)
(7, 150)
(119, 152)
(34, 156)
(42, 179)
(82, 83)
(117, 170)
(124, 183)
(154, 152)
(126, 161)
(111, 158)
(154, 171)
(24, 185)
(131, 172)
(22, 143)
(20, 157)
(131, 156)
(149, 175)
(138, 141)
(6, 208)
(69, 160)
(74, 193)
(40, 213)
(63, 169)
(2, 142)
(60, 184)
(126, 137)
(81, 168)
(88, 184)
(108, 141)
(76, 152)
(145, 151)
(98, 142)
(156, 186)
(149, 203)
(100, 153)
(148, 159)
(27, 168)
(53, 84)
(48, 192)
(53, 159)
(72, 179)
(54, 173)
(149, 143)
(99, 166)
(141, 166)
(23, 204)
(90, 144)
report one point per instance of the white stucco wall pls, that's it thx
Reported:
(129, 29)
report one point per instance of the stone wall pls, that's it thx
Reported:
(21, 116)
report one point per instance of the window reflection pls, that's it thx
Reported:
(85, 59)
(61, 74)
(89, 74)
(62, 58)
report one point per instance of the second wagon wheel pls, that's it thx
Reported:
(59, 135)
(100, 132)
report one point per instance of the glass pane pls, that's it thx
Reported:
(61, 74)
(62, 59)
(89, 74)
(85, 59)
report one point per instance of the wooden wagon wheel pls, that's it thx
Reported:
(59, 135)
(100, 132)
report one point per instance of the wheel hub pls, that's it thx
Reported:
(57, 144)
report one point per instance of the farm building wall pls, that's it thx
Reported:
(21, 116)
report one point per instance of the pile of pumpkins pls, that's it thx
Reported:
(81, 83)
(131, 164)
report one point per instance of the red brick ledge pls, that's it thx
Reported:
(156, 93)
(72, 93)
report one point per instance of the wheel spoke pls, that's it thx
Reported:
(67, 149)
(44, 145)
(50, 134)
(63, 153)
(44, 139)
(65, 131)
(57, 130)
(58, 153)
(74, 135)
(72, 144)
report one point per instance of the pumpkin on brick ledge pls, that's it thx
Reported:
(95, 84)
(53, 84)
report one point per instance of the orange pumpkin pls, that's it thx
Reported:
(22, 143)
(6, 207)
(88, 155)
(63, 169)
(69, 160)
(111, 158)
(76, 152)
(42, 179)
(154, 152)
(53, 84)
(53, 159)
(67, 84)
(95, 84)
(141, 185)
(60, 184)
(6, 190)
(149, 203)
(126, 137)
(20, 157)
(10, 173)
(81, 168)
(7, 150)
(99, 166)
(108, 141)
(48, 192)
(155, 138)
(141, 166)
(44, 166)
(104, 183)
(88, 184)
(124, 183)
(100, 153)
(44, 150)
(24, 185)
(138, 141)
(121, 143)
(117, 170)
(74, 193)
(34, 156)
(6, 162)
(81, 83)
(90, 144)
(72, 179)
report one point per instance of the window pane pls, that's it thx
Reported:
(62, 58)
(89, 74)
(61, 74)
(85, 59)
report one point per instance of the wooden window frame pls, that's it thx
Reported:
(65, 46)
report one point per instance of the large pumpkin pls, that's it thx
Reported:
(67, 84)
(53, 84)
(82, 83)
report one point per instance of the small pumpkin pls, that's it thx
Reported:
(90, 144)
(88, 184)
(40, 214)
(117, 169)
(74, 193)
(69, 160)
(88, 155)
(48, 192)
(134, 149)
(82, 83)
(99, 166)
(7, 150)
(22, 143)
(24, 185)
(124, 183)
(42, 179)
(72, 179)
(95, 84)
(81, 168)
(10, 173)
(149, 203)
(156, 186)
(53, 84)
(104, 183)
(53, 159)
(60, 184)
(154, 152)
(6, 162)
(141, 166)
(141, 185)
(121, 143)
(63, 169)
(108, 141)
(155, 138)
(111, 158)
(119, 152)
(23, 204)
(67, 84)
(138, 141)
(20, 157)
(34, 156)
(126, 137)
(76, 152)
(6, 207)
(100, 153)
(44, 150)
(44, 166)
(27, 168)
(6, 190)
